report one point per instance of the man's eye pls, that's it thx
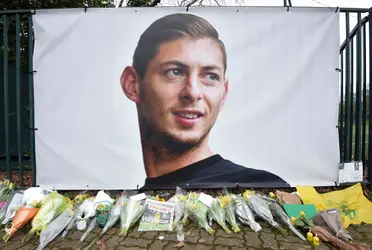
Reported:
(212, 77)
(174, 72)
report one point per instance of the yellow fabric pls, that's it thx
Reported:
(354, 207)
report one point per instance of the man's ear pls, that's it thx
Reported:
(226, 90)
(129, 81)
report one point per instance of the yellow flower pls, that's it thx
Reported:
(224, 200)
(80, 198)
(69, 201)
(248, 193)
(293, 220)
(302, 213)
(272, 195)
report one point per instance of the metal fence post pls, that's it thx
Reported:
(341, 124)
(31, 98)
(358, 100)
(19, 98)
(6, 97)
(348, 94)
(364, 139)
(370, 103)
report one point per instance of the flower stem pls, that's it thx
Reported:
(28, 236)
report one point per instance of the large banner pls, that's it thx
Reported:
(206, 97)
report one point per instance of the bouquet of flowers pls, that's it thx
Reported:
(180, 206)
(85, 213)
(261, 208)
(13, 205)
(6, 194)
(279, 213)
(198, 211)
(6, 188)
(32, 201)
(217, 213)
(131, 211)
(245, 214)
(330, 220)
(78, 200)
(227, 202)
(113, 218)
(55, 228)
(54, 205)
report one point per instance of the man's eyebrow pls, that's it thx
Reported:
(212, 67)
(174, 63)
(185, 66)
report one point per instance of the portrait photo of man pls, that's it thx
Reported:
(178, 83)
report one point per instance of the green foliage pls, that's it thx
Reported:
(142, 3)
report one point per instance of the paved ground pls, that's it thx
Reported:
(197, 239)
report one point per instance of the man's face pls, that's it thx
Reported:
(184, 89)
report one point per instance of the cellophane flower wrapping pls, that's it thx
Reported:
(78, 200)
(180, 210)
(280, 214)
(34, 196)
(180, 206)
(210, 219)
(191, 197)
(55, 228)
(53, 205)
(227, 201)
(218, 213)
(3, 210)
(7, 191)
(32, 200)
(244, 213)
(261, 208)
(91, 226)
(112, 219)
(130, 212)
(198, 211)
(14, 204)
(85, 213)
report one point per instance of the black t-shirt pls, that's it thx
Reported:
(215, 172)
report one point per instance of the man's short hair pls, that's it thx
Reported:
(168, 28)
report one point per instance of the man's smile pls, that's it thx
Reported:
(188, 117)
(188, 114)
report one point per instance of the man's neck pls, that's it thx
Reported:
(160, 163)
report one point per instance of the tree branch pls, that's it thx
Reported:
(216, 1)
(191, 3)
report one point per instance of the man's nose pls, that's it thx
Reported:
(192, 90)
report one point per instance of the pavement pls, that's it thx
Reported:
(195, 239)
